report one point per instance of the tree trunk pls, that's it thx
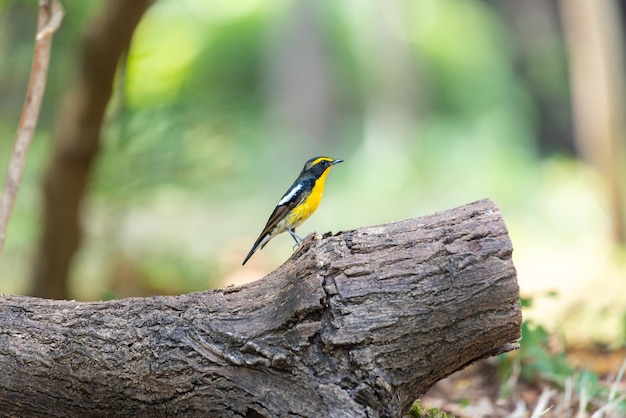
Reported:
(77, 138)
(356, 324)
(594, 35)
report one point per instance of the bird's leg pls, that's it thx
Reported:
(295, 237)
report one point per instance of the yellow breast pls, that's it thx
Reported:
(300, 213)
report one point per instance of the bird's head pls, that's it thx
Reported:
(318, 165)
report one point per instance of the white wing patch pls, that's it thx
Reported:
(290, 195)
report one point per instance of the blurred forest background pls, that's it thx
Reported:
(432, 104)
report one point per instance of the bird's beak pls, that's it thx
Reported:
(337, 162)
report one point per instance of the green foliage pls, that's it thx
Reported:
(464, 402)
(418, 410)
(538, 363)
(534, 360)
(526, 302)
(537, 360)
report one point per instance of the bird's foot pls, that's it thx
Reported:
(296, 238)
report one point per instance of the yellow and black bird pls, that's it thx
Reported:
(298, 203)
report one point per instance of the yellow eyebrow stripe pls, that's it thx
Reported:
(317, 161)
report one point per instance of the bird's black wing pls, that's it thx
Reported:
(292, 198)
(295, 195)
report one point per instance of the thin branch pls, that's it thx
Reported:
(50, 17)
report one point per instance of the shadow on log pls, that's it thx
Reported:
(353, 325)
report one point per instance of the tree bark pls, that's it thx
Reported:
(77, 138)
(353, 325)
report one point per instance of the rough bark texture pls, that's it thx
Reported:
(352, 325)
(77, 138)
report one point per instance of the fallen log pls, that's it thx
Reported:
(356, 324)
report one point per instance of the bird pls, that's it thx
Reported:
(298, 203)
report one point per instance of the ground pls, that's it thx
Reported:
(479, 391)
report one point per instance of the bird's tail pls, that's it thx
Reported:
(260, 242)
